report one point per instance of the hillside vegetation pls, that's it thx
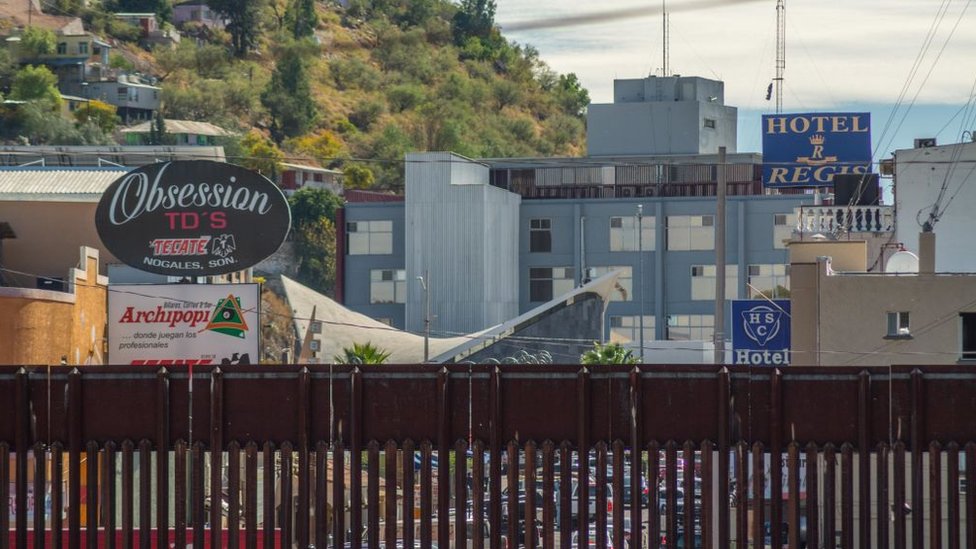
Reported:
(355, 88)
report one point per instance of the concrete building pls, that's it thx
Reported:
(492, 253)
(845, 316)
(938, 185)
(178, 132)
(43, 326)
(297, 176)
(656, 115)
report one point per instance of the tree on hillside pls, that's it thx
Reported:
(36, 83)
(261, 155)
(310, 205)
(474, 19)
(288, 97)
(313, 213)
(98, 113)
(572, 96)
(36, 41)
(243, 17)
(300, 18)
(357, 176)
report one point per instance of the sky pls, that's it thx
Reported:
(909, 63)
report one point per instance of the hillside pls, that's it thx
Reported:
(383, 78)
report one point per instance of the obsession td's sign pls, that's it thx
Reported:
(192, 218)
(807, 150)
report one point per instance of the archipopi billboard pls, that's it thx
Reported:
(160, 324)
(761, 332)
(192, 218)
(807, 150)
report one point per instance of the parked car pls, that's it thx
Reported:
(591, 507)
(591, 537)
(644, 490)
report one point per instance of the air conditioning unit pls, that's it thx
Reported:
(924, 142)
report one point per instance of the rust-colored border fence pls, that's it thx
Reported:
(488, 456)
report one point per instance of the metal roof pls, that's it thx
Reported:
(180, 126)
(56, 185)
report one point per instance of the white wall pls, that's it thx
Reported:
(920, 174)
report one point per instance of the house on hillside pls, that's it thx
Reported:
(80, 61)
(297, 176)
(179, 132)
(152, 32)
(197, 11)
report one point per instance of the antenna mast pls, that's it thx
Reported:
(780, 52)
(666, 71)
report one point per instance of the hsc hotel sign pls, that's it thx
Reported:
(761, 332)
(807, 150)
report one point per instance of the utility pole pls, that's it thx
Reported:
(665, 70)
(780, 52)
(719, 335)
(424, 281)
(640, 273)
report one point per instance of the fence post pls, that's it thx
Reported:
(724, 415)
(443, 449)
(75, 422)
(918, 446)
(162, 458)
(21, 444)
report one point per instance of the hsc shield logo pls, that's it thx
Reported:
(761, 323)
(761, 332)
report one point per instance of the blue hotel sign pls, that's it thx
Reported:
(807, 150)
(761, 332)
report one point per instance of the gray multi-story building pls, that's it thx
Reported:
(494, 238)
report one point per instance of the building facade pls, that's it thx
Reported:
(849, 317)
(935, 185)
(662, 116)
(488, 248)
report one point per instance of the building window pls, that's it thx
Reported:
(388, 286)
(691, 232)
(968, 335)
(546, 282)
(623, 291)
(783, 225)
(703, 282)
(62, 48)
(83, 48)
(691, 327)
(898, 325)
(709, 123)
(369, 237)
(770, 281)
(626, 329)
(123, 94)
(623, 234)
(540, 235)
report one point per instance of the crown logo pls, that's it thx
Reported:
(817, 139)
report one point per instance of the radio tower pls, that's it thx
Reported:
(780, 52)
(665, 70)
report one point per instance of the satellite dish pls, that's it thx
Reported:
(902, 262)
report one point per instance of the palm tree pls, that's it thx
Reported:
(365, 353)
(611, 353)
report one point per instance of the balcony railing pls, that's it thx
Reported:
(849, 219)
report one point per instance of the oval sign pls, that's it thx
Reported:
(192, 218)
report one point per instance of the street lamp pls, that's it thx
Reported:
(640, 273)
(423, 284)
